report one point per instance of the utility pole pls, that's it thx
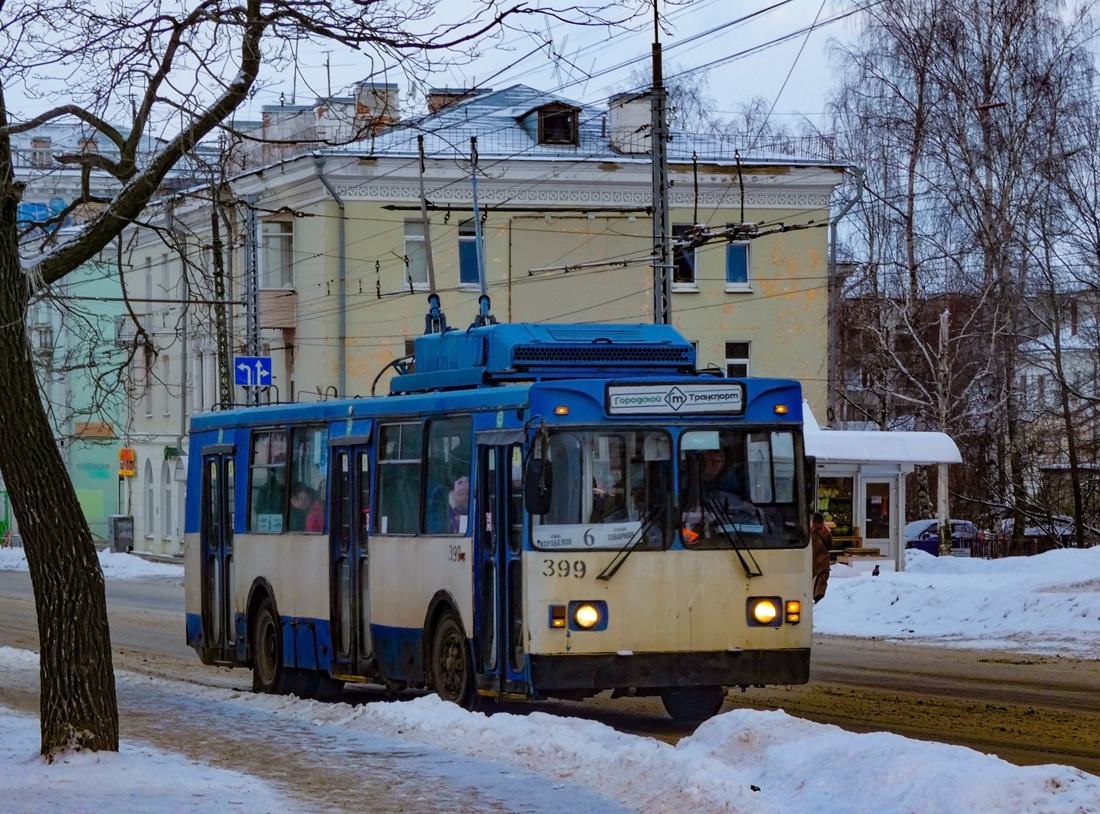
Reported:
(252, 288)
(658, 142)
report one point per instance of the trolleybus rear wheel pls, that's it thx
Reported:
(268, 674)
(693, 704)
(452, 675)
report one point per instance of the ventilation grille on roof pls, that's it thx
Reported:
(600, 354)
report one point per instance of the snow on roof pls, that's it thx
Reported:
(499, 121)
(874, 446)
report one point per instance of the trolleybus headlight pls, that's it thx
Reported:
(763, 611)
(588, 615)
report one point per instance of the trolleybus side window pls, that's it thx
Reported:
(399, 451)
(738, 489)
(447, 497)
(308, 487)
(609, 489)
(267, 482)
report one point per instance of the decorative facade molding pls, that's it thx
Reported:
(547, 194)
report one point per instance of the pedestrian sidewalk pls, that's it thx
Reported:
(313, 768)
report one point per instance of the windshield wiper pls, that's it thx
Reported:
(725, 522)
(617, 562)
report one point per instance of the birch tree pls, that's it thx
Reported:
(950, 105)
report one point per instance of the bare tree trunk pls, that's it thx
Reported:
(78, 706)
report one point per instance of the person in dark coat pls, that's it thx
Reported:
(821, 540)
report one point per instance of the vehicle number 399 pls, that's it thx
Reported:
(564, 568)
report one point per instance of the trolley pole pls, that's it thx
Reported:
(662, 229)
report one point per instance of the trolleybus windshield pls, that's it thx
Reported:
(738, 489)
(609, 488)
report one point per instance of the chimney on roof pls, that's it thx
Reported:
(629, 122)
(377, 103)
(439, 98)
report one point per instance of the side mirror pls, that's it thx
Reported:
(538, 486)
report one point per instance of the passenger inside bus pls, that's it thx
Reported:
(315, 520)
(270, 496)
(301, 502)
(458, 502)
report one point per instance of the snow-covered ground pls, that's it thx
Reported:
(138, 778)
(115, 566)
(1047, 604)
(743, 762)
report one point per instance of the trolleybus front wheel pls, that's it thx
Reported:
(693, 704)
(268, 674)
(452, 675)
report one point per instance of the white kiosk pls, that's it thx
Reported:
(860, 483)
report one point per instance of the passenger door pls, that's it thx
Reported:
(498, 578)
(349, 521)
(216, 545)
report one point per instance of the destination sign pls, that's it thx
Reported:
(681, 399)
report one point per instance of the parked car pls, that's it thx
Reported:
(925, 535)
(1058, 527)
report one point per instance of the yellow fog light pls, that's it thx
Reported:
(781, 409)
(794, 611)
(561, 410)
(557, 616)
(587, 616)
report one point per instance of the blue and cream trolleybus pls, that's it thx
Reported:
(533, 511)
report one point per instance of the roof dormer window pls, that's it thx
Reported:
(558, 125)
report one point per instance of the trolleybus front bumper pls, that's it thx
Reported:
(656, 670)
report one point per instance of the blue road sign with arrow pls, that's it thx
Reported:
(252, 371)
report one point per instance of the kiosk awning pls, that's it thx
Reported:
(870, 446)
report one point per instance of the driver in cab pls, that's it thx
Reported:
(712, 498)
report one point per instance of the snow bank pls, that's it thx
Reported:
(138, 778)
(115, 566)
(1049, 603)
(742, 762)
(807, 767)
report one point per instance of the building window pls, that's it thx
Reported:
(737, 267)
(164, 381)
(148, 285)
(277, 254)
(416, 255)
(558, 125)
(737, 360)
(468, 273)
(166, 499)
(150, 497)
(41, 152)
(683, 260)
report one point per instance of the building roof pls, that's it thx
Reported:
(497, 119)
(875, 446)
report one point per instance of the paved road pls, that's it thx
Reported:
(1027, 709)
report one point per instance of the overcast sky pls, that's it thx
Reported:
(703, 38)
(590, 63)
